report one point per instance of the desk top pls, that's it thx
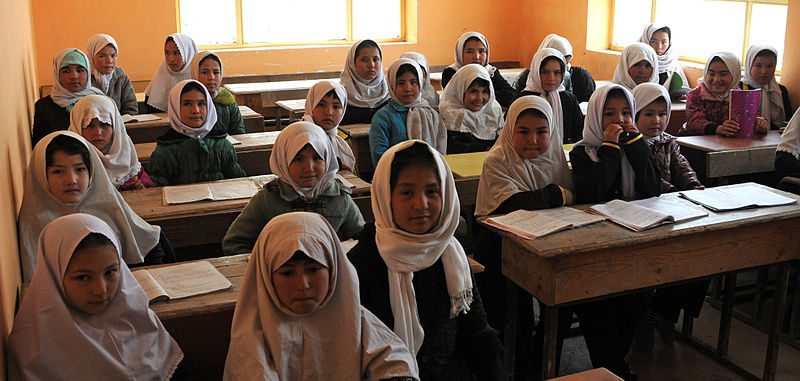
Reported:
(256, 141)
(359, 130)
(266, 87)
(509, 74)
(163, 120)
(466, 164)
(717, 143)
(292, 105)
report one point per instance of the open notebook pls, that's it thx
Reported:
(139, 118)
(647, 213)
(530, 224)
(740, 196)
(215, 191)
(181, 281)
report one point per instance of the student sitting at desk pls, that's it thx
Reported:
(759, 73)
(363, 79)
(473, 48)
(184, 154)
(787, 156)
(325, 106)
(303, 160)
(659, 37)
(637, 64)
(84, 314)
(179, 49)
(109, 77)
(470, 113)
(206, 68)
(428, 92)
(577, 80)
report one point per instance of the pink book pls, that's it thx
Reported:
(743, 109)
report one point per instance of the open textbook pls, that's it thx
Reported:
(647, 213)
(181, 281)
(530, 224)
(139, 118)
(733, 197)
(216, 191)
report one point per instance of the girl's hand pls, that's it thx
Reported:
(631, 128)
(762, 126)
(728, 128)
(611, 133)
(700, 187)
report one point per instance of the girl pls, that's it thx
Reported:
(659, 37)
(472, 47)
(206, 67)
(72, 74)
(303, 160)
(759, 73)
(546, 79)
(637, 64)
(298, 315)
(108, 77)
(179, 49)
(787, 156)
(363, 79)
(406, 116)
(65, 175)
(707, 104)
(414, 274)
(184, 154)
(469, 111)
(577, 80)
(428, 92)
(325, 106)
(85, 314)
(95, 117)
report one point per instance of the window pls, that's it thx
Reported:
(702, 27)
(247, 23)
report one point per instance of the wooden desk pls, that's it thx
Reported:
(295, 108)
(599, 374)
(606, 259)
(716, 157)
(359, 143)
(145, 132)
(509, 74)
(261, 96)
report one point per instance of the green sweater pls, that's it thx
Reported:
(229, 118)
(278, 198)
(179, 159)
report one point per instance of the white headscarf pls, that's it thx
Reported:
(405, 253)
(93, 46)
(340, 340)
(360, 92)
(290, 141)
(459, 62)
(667, 62)
(423, 122)
(534, 84)
(164, 79)
(119, 158)
(772, 107)
(52, 340)
(559, 43)
(40, 207)
(646, 93)
(734, 66)
(341, 149)
(194, 66)
(174, 112)
(790, 139)
(593, 134)
(506, 173)
(60, 95)
(428, 92)
(484, 123)
(631, 55)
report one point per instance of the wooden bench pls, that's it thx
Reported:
(149, 131)
(261, 96)
(359, 143)
(295, 108)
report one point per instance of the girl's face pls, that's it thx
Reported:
(417, 199)
(301, 285)
(307, 167)
(194, 108)
(476, 97)
(105, 60)
(99, 134)
(641, 72)
(616, 110)
(210, 75)
(531, 136)
(172, 55)
(550, 75)
(73, 77)
(368, 62)
(652, 120)
(92, 278)
(407, 87)
(718, 78)
(67, 177)
(474, 52)
(659, 41)
(328, 112)
(763, 69)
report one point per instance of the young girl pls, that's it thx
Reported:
(659, 37)
(298, 315)
(428, 92)
(469, 111)
(577, 80)
(707, 104)
(759, 73)
(184, 154)
(546, 79)
(407, 116)
(95, 117)
(303, 160)
(71, 71)
(414, 274)
(472, 47)
(179, 49)
(206, 67)
(108, 77)
(325, 106)
(787, 156)
(65, 175)
(363, 79)
(85, 314)
(637, 64)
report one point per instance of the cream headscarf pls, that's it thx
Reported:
(194, 66)
(534, 84)
(340, 340)
(734, 66)
(631, 55)
(341, 149)
(360, 92)
(174, 112)
(646, 93)
(459, 62)
(164, 79)
(428, 92)
(772, 107)
(40, 207)
(506, 173)
(52, 340)
(423, 122)
(484, 123)
(290, 141)
(405, 253)
(790, 139)
(60, 95)
(559, 43)
(94, 45)
(667, 62)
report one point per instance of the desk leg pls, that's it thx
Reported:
(771, 362)
(550, 342)
(725, 316)
(512, 295)
(278, 117)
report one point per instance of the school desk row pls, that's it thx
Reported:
(149, 131)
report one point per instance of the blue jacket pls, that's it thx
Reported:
(388, 128)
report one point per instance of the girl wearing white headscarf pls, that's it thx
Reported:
(420, 284)
(787, 156)
(51, 113)
(320, 90)
(775, 105)
(428, 92)
(229, 117)
(577, 80)
(328, 196)
(109, 77)
(504, 93)
(467, 130)
(51, 339)
(157, 92)
(184, 154)
(365, 96)
(639, 58)
(670, 72)
(338, 340)
(400, 121)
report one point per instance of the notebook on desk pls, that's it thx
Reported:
(213, 191)
(181, 281)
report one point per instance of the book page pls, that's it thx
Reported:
(630, 215)
(232, 140)
(149, 285)
(232, 190)
(714, 199)
(678, 211)
(757, 195)
(262, 180)
(189, 279)
(575, 217)
(528, 224)
(139, 118)
(182, 194)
